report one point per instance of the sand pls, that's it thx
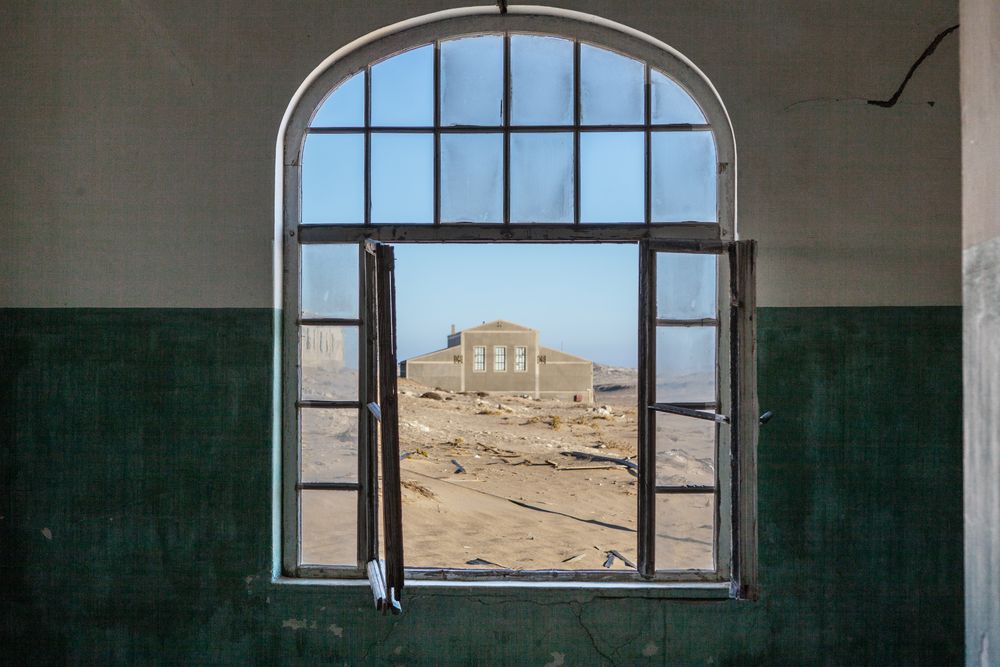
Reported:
(521, 501)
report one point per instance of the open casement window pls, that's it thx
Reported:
(538, 126)
(385, 570)
(697, 375)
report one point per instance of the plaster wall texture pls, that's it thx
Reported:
(135, 511)
(980, 83)
(139, 142)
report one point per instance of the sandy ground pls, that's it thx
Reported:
(489, 481)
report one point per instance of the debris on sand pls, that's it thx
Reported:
(418, 489)
(458, 467)
(432, 395)
(632, 466)
(483, 561)
(612, 555)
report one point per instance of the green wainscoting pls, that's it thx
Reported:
(136, 486)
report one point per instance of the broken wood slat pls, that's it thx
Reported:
(631, 465)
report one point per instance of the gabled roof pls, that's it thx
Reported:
(498, 324)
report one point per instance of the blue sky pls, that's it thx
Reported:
(583, 299)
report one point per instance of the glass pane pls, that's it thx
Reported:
(330, 280)
(345, 107)
(541, 79)
(685, 531)
(403, 89)
(671, 103)
(541, 177)
(402, 178)
(685, 286)
(685, 451)
(333, 179)
(472, 81)
(329, 440)
(684, 179)
(612, 177)
(685, 364)
(611, 87)
(471, 178)
(328, 358)
(329, 527)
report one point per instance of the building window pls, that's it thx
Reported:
(528, 127)
(500, 358)
(520, 359)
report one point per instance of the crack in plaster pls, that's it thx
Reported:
(578, 612)
(913, 68)
(894, 99)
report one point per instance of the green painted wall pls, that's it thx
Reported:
(136, 522)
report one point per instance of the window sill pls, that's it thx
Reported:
(663, 590)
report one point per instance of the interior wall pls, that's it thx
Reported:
(981, 257)
(141, 142)
(136, 332)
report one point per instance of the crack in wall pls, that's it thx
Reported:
(577, 609)
(891, 102)
(894, 99)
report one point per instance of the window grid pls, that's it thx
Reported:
(566, 231)
(479, 359)
(520, 359)
(698, 490)
(500, 358)
(647, 127)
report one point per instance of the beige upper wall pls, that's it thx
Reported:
(138, 142)
(981, 114)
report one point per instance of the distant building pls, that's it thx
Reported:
(503, 357)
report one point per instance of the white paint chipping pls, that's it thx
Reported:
(296, 624)
(557, 659)
(650, 650)
(336, 630)
(47, 534)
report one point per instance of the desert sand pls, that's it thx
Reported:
(489, 482)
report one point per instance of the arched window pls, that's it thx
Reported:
(542, 127)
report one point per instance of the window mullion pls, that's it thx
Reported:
(437, 133)
(368, 146)
(506, 126)
(647, 138)
(576, 132)
(646, 521)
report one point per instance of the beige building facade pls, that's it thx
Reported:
(503, 357)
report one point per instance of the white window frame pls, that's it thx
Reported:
(520, 359)
(741, 578)
(478, 358)
(499, 358)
